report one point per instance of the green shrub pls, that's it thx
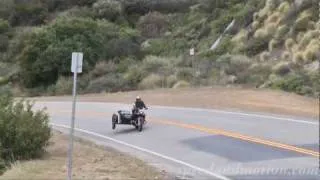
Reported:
(257, 74)
(24, 132)
(29, 14)
(293, 83)
(102, 68)
(171, 80)
(286, 55)
(281, 32)
(4, 42)
(134, 76)
(152, 81)
(289, 44)
(144, 6)
(4, 26)
(6, 8)
(264, 56)
(298, 57)
(301, 23)
(82, 12)
(255, 46)
(307, 37)
(153, 25)
(2, 163)
(284, 7)
(185, 74)
(281, 68)
(46, 55)
(108, 83)
(273, 44)
(108, 9)
(64, 86)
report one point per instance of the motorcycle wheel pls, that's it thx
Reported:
(140, 123)
(114, 121)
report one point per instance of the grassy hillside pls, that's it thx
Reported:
(144, 44)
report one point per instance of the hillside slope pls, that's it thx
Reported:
(141, 44)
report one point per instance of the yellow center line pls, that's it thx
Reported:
(209, 131)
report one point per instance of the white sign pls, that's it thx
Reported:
(77, 60)
(192, 51)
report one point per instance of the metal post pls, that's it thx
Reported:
(72, 120)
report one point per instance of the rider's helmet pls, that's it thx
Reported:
(138, 98)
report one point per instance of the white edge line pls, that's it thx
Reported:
(145, 150)
(211, 110)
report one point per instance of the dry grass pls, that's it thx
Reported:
(215, 97)
(90, 162)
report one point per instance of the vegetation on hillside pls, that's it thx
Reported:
(24, 132)
(143, 44)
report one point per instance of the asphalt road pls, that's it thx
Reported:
(203, 144)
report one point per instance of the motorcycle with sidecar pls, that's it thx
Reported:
(136, 117)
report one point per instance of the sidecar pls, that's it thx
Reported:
(123, 117)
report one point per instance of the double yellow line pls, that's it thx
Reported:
(209, 131)
(241, 137)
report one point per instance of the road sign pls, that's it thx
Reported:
(77, 61)
(76, 67)
(192, 52)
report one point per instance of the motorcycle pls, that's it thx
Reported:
(136, 118)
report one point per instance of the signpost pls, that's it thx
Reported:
(76, 67)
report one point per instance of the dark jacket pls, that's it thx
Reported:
(140, 104)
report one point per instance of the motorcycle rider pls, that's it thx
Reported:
(139, 103)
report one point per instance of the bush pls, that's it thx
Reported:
(153, 25)
(301, 23)
(108, 9)
(307, 37)
(157, 64)
(102, 68)
(108, 83)
(281, 32)
(4, 42)
(286, 55)
(265, 56)
(256, 46)
(312, 51)
(46, 55)
(281, 68)
(4, 26)
(274, 18)
(289, 44)
(233, 64)
(134, 76)
(24, 133)
(2, 164)
(293, 83)
(144, 6)
(29, 14)
(298, 57)
(64, 86)
(284, 7)
(257, 74)
(171, 80)
(273, 44)
(152, 81)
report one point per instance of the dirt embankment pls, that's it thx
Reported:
(90, 162)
